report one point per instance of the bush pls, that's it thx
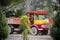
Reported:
(24, 25)
(3, 25)
(24, 22)
(55, 29)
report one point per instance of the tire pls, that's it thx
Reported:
(11, 29)
(20, 31)
(33, 31)
(45, 32)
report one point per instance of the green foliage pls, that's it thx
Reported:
(3, 25)
(9, 13)
(3, 22)
(5, 2)
(19, 13)
(55, 7)
(55, 29)
(9, 2)
(5, 32)
(24, 25)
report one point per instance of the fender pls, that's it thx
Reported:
(34, 26)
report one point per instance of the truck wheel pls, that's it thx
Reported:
(11, 29)
(45, 32)
(33, 31)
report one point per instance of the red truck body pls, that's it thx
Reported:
(13, 20)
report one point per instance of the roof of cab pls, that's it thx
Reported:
(38, 12)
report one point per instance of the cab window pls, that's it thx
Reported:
(40, 17)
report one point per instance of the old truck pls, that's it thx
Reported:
(40, 22)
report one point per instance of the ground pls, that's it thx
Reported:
(38, 37)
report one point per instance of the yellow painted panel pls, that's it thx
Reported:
(40, 22)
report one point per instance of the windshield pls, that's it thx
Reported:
(41, 17)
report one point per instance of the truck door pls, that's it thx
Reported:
(32, 19)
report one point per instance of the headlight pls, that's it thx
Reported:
(47, 20)
(45, 26)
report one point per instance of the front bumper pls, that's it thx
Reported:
(43, 29)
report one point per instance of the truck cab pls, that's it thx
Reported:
(40, 22)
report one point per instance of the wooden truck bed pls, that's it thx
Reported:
(13, 20)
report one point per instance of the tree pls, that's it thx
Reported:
(9, 2)
(19, 13)
(55, 29)
(59, 1)
(4, 29)
(9, 13)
